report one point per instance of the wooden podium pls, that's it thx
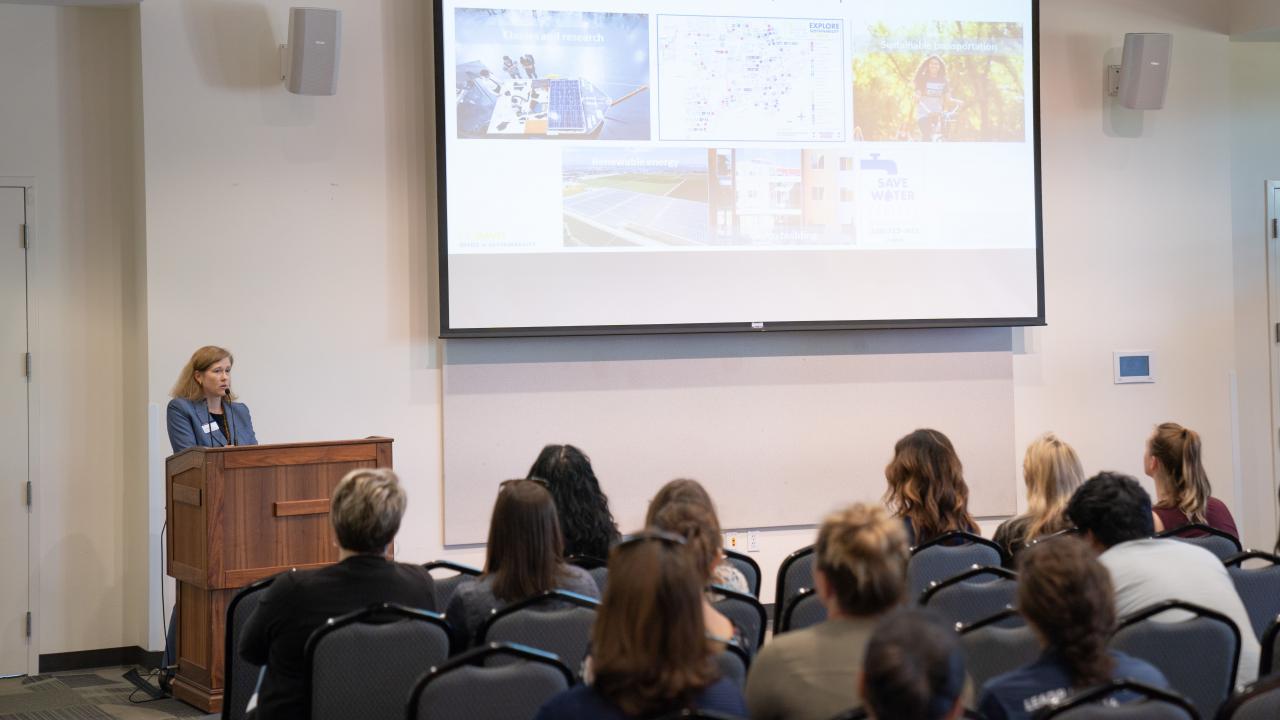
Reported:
(237, 514)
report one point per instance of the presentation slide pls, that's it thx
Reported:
(644, 165)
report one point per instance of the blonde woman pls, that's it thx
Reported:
(860, 570)
(202, 412)
(1052, 472)
(1183, 494)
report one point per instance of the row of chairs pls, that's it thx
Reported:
(1197, 655)
(388, 646)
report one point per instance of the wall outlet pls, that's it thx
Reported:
(753, 541)
(733, 541)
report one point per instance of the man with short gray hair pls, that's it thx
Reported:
(365, 512)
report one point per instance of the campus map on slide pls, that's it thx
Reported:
(741, 78)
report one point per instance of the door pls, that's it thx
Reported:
(14, 510)
(1273, 282)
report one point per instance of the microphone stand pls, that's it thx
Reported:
(226, 409)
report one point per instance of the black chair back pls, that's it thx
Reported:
(1197, 655)
(445, 586)
(861, 714)
(996, 645)
(1150, 704)
(239, 677)
(469, 687)
(805, 609)
(363, 664)
(948, 555)
(558, 622)
(1220, 543)
(695, 714)
(794, 574)
(749, 569)
(1259, 588)
(1270, 659)
(1259, 701)
(974, 594)
(746, 613)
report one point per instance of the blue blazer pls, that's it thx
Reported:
(189, 425)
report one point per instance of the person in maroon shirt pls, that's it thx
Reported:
(1183, 494)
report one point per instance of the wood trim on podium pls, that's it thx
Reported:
(293, 508)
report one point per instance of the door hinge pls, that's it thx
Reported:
(28, 494)
(25, 233)
(1275, 228)
(27, 366)
(1278, 332)
(28, 623)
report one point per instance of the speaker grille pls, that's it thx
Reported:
(314, 38)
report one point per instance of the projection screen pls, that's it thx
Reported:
(666, 166)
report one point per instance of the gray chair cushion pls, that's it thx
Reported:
(242, 676)
(992, 650)
(793, 577)
(513, 691)
(804, 611)
(1220, 546)
(1260, 591)
(967, 602)
(1196, 655)
(936, 563)
(367, 671)
(747, 615)
(749, 571)
(733, 666)
(563, 631)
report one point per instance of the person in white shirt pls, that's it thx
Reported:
(1114, 513)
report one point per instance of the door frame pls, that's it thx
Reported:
(1272, 204)
(28, 185)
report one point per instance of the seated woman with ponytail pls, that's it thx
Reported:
(859, 573)
(1183, 494)
(1066, 597)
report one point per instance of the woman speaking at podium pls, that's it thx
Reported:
(203, 411)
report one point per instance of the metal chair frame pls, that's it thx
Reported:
(230, 651)
(780, 598)
(1098, 692)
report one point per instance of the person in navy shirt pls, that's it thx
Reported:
(1065, 594)
(650, 653)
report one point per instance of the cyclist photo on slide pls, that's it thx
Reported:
(936, 108)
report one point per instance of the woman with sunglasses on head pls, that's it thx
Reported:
(523, 558)
(203, 411)
(649, 649)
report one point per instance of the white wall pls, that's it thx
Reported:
(1255, 159)
(318, 209)
(1254, 19)
(68, 77)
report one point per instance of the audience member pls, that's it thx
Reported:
(697, 525)
(1052, 471)
(860, 565)
(914, 668)
(585, 520)
(1065, 595)
(685, 490)
(927, 488)
(1114, 512)
(524, 557)
(365, 513)
(649, 651)
(1183, 494)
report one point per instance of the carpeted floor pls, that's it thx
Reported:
(85, 695)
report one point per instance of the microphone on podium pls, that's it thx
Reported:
(226, 410)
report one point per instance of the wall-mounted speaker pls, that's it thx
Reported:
(1144, 70)
(315, 36)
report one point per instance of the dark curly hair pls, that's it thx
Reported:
(585, 520)
(1066, 594)
(1112, 506)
